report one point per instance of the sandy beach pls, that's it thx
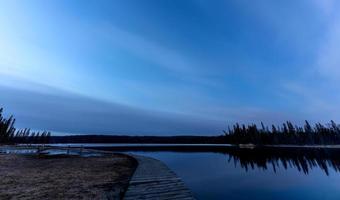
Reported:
(64, 177)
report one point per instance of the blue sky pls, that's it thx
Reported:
(185, 67)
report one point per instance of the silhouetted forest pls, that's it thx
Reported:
(288, 133)
(302, 159)
(9, 134)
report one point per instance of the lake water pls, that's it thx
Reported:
(217, 176)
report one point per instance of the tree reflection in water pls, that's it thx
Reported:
(302, 159)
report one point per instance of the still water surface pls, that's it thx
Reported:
(221, 176)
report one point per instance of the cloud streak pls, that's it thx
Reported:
(70, 113)
(328, 61)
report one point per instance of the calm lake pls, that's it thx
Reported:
(217, 176)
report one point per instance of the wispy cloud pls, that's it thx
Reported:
(328, 60)
(149, 50)
(25, 60)
(312, 100)
(326, 6)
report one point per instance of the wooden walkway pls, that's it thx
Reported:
(155, 181)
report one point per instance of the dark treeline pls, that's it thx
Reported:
(9, 134)
(139, 139)
(302, 159)
(288, 133)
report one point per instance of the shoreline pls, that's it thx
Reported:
(118, 145)
(152, 179)
(149, 178)
(41, 176)
(79, 149)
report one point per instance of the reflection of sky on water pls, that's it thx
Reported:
(211, 176)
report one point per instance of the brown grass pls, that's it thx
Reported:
(64, 177)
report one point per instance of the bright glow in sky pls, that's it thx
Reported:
(193, 61)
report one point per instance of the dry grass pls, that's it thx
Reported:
(57, 177)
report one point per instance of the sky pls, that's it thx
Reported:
(168, 67)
